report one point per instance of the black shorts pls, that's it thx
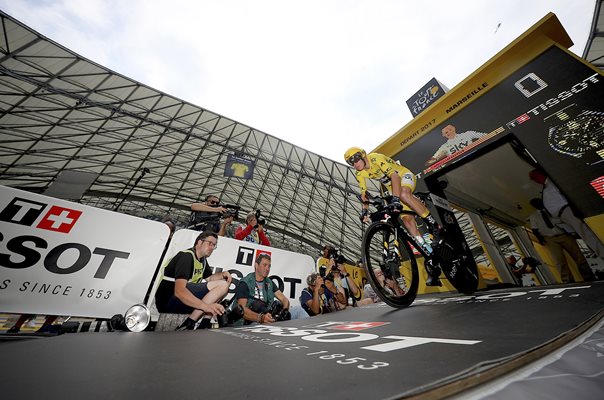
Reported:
(175, 306)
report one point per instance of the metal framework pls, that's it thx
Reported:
(594, 49)
(59, 111)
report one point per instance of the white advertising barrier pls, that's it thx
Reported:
(288, 270)
(64, 258)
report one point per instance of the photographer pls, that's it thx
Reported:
(254, 231)
(342, 281)
(206, 216)
(188, 286)
(256, 293)
(323, 262)
(316, 298)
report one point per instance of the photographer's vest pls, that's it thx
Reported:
(198, 268)
(267, 292)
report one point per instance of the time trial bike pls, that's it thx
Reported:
(391, 266)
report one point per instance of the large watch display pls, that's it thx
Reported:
(578, 133)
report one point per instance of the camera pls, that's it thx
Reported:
(332, 253)
(232, 210)
(278, 312)
(259, 219)
(232, 312)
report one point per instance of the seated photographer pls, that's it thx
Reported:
(181, 290)
(206, 216)
(254, 231)
(369, 296)
(256, 293)
(316, 298)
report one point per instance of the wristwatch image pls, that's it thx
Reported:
(578, 133)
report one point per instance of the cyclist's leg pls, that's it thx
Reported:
(415, 204)
(420, 209)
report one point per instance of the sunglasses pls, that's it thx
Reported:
(354, 158)
(214, 202)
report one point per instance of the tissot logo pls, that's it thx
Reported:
(22, 211)
(245, 256)
(26, 212)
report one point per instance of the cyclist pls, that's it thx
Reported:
(401, 183)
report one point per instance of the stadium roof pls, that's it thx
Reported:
(594, 50)
(62, 115)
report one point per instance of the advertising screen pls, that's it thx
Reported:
(554, 105)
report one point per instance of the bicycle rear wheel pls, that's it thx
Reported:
(390, 267)
(458, 267)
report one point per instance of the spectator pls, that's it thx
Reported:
(181, 290)
(206, 216)
(548, 232)
(253, 232)
(455, 142)
(316, 298)
(256, 293)
(557, 205)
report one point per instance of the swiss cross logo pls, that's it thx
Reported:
(258, 252)
(523, 118)
(358, 326)
(59, 219)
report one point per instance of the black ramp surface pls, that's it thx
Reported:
(369, 353)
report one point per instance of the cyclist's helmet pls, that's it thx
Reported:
(354, 154)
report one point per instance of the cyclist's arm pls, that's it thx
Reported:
(364, 200)
(205, 208)
(363, 188)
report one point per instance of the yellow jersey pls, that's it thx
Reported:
(380, 168)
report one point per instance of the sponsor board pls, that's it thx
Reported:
(63, 258)
(288, 270)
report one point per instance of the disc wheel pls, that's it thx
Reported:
(392, 274)
(459, 268)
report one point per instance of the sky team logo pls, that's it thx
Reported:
(26, 212)
(59, 219)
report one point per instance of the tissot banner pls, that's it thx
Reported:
(288, 270)
(554, 106)
(64, 258)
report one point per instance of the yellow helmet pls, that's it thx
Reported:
(354, 154)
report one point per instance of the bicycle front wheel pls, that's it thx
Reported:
(389, 264)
